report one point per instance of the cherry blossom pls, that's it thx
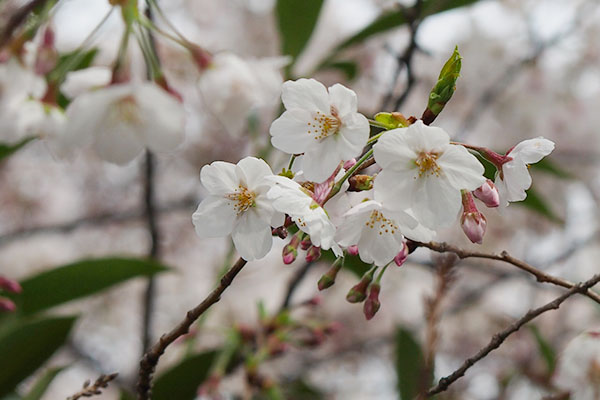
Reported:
(234, 88)
(119, 121)
(291, 198)
(513, 178)
(424, 172)
(238, 205)
(321, 123)
(19, 87)
(578, 367)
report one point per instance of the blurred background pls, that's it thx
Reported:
(530, 68)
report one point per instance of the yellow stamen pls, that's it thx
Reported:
(427, 163)
(324, 125)
(242, 199)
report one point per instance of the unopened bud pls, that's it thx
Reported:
(360, 182)
(162, 82)
(47, 55)
(472, 221)
(391, 120)
(372, 304)
(444, 88)
(328, 279)
(201, 57)
(290, 251)
(358, 292)
(402, 254)
(352, 250)
(488, 194)
(349, 164)
(9, 285)
(275, 346)
(313, 254)
(305, 244)
(280, 232)
(332, 328)
(7, 305)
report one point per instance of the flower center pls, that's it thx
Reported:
(125, 111)
(242, 199)
(378, 221)
(324, 125)
(427, 163)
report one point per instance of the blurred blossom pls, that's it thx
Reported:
(235, 89)
(578, 368)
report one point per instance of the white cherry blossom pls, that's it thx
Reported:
(291, 198)
(234, 88)
(514, 178)
(119, 121)
(321, 123)
(578, 367)
(423, 172)
(238, 205)
(20, 87)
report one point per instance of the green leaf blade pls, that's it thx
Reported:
(410, 364)
(27, 346)
(181, 382)
(40, 387)
(80, 279)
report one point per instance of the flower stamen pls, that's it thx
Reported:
(427, 163)
(242, 199)
(378, 221)
(324, 125)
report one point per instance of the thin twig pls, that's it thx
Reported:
(94, 389)
(17, 19)
(294, 283)
(150, 359)
(500, 337)
(96, 220)
(541, 276)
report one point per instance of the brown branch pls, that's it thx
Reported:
(294, 283)
(500, 337)
(17, 19)
(94, 389)
(150, 359)
(541, 276)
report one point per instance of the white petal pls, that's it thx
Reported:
(420, 137)
(395, 189)
(251, 172)
(117, 142)
(462, 169)
(391, 150)
(379, 249)
(214, 217)
(162, 118)
(79, 82)
(306, 94)
(532, 150)
(219, 178)
(290, 132)
(321, 161)
(343, 99)
(436, 202)
(352, 136)
(517, 179)
(252, 236)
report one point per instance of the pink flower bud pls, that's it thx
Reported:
(402, 255)
(313, 254)
(358, 292)
(372, 304)
(289, 256)
(9, 285)
(352, 250)
(280, 232)
(328, 279)
(305, 244)
(474, 224)
(350, 163)
(488, 194)
(6, 305)
(472, 221)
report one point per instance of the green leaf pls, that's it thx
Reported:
(126, 396)
(351, 263)
(77, 59)
(393, 19)
(545, 349)
(40, 387)
(349, 68)
(548, 166)
(80, 279)
(296, 20)
(7, 149)
(301, 390)
(537, 203)
(181, 382)
(391, 120)
(27, 346)
(444, 88)
(409, 364)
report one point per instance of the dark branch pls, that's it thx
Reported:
(294, 283)
(150, 359)
(500, 337)
(94, 389)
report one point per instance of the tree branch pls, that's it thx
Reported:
(150, 359)
(500, 337)
(293, 284)
(541, 276)
(17, 19)
(94, 389)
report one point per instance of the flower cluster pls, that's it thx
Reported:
(421, 182)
